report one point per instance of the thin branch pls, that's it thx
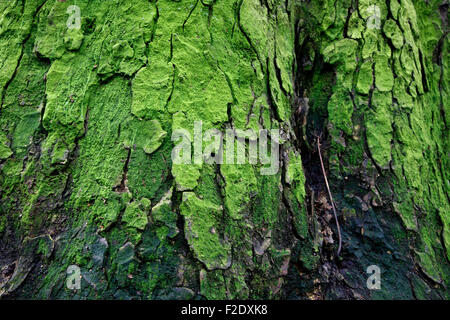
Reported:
(331, 198)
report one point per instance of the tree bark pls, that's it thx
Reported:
(91, 92)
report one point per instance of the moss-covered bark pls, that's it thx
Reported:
(86, 176)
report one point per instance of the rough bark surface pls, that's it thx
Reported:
(86, 176)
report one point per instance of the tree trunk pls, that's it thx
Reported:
(92, 93)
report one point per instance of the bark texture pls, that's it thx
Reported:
(86, 176)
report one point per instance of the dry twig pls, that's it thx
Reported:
(331, 197)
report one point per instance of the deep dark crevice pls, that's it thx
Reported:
(219, 182)
(171, 48)
(443, 11)
(441, 172)
(176, 202)
(246, 36)
(367, 150)
(285, 201)
(313, 86)
(173, 87)
(180, 239)
(277, 68)
(272, 105)
(155, 22)
(372, 89)
(424, 76)
(210, 15)
(286, 6)
(235, 15)
(437, 59)
(122, 187)
(5, 88)
(278, 74)
(252, 108)
(347, 21)
(190, 13)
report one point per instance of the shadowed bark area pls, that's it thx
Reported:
(88, 108)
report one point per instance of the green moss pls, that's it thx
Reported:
(340, 110)
(45, 246)
(365, 78)
(18, 20)
(344, 51)
(135, 215)
(99, 167)
(236, 285)
(73, 39)
(147, 135)
(379, 131)
(208, 188)
(392, 31)
(5, 152)
(212, 285)
(240, 186)
(152, 88)
(24, 130)
(264, 210)
(105, 212)
(295, 176)
(163, 215)
(186, 176)
(202, 231)
(355, 26)
(384, 79)
(2, 223)
(149, 175)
